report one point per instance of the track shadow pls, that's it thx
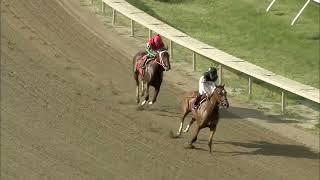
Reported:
(172, 1)
(271, 149)
(257, 114)
(166, 111)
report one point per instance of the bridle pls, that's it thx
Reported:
(159, 60)
(221, 98)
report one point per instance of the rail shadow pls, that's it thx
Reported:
(258, 114)
(271, 149)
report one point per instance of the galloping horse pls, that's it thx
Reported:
(207, 114)
(151, 75)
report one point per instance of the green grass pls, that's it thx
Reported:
(243, 29)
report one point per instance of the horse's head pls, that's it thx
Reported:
(221, 96)
(163, 59)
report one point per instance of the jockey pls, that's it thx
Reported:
(206, 85)
(154, 45)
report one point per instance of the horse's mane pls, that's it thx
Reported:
(217, 87)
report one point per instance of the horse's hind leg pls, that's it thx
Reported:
(212, 131)
(181, 123)
(185, 111)
(142, 88)
(189, 125)
(137, 86)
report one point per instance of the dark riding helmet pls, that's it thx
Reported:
(211, 74)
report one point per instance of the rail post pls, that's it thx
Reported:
(171, 49)
(283, 101)
(150, 33)
(103, 7)
(250, 87)
(114, 12)
(132, 28)
(194, 61)
(220, 73)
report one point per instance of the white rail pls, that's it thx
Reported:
(299, 13)
(224, 59)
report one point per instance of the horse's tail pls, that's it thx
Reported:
(190, 94)
(135, 59)
(186, 100)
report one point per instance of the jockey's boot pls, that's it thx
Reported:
(144, 64)
(149, 58)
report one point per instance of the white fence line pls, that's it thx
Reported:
(299, 13)
(224, 59)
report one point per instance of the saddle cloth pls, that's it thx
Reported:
(139, 65)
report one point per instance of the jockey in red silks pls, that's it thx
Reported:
(154, 45)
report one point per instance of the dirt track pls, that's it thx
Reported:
(68, 111)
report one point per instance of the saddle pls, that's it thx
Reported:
(198, 101)
(142, 63)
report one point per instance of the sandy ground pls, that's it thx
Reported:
(68, 110)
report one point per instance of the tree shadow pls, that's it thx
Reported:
(142, 6)
(271, 149)
(172, 1)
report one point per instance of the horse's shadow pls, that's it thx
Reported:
(270, 149)
(198, 148)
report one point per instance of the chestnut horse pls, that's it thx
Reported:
(153, 74)
(207, 115)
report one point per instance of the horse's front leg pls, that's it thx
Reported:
(194, 138)
(147, 95)
(212, 131)
(156, 92)
(142, 88)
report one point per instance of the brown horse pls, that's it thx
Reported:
(207, 115)
(153, 74)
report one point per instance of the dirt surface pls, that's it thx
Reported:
(68, 110)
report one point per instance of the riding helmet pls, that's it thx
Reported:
(211, 74)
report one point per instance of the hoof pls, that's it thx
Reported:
(185, 131)
(143, 103)
(189, 146)
(150, 103)
(173, 136)
(137, 101)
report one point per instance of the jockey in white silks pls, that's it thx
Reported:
(206, 85)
